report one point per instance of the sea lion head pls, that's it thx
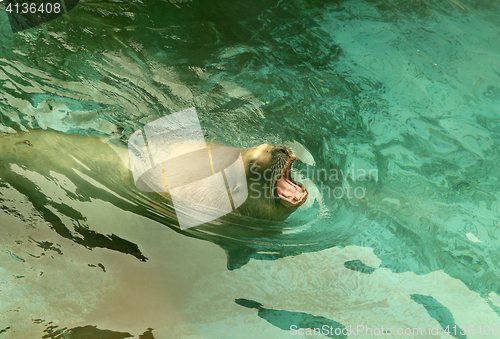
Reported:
(272, 193)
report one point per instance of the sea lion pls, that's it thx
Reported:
(272, 193)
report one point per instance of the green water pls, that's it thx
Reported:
(410, 89)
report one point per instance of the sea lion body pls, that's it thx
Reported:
(49, 152)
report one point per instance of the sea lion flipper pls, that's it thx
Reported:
(237, 258)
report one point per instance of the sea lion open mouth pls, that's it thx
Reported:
(290, 192)
(272, 193)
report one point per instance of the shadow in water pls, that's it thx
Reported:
(87, 332)
(358, 265)
(293, 321)
(441, 313)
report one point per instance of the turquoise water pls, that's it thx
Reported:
(407, 89)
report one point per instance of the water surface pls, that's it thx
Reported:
(409, 89)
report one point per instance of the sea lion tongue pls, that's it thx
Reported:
(289, 191)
